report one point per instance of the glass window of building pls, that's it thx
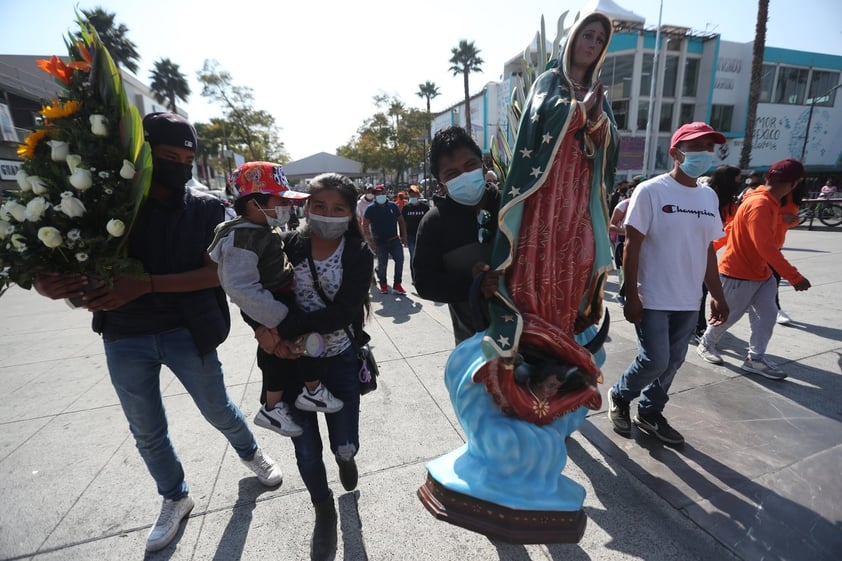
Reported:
(642, 115)
(620, 108)
(767, 82)
(688, 111)
(691, 77)
(792, 85)
(646, 74)
(821, 84)
(670, 75)
(721, 116)
(665, 124)
(617, 76)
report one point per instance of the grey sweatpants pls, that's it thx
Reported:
(758, 299)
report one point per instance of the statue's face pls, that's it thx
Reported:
(589, 44)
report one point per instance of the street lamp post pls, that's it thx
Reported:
(810, 118)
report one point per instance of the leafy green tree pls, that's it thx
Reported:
(114, 37)
(168, 83)
(391, 140)
(428, 91)
(247, 130)
(465, 60)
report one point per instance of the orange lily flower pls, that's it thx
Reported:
(80, 65)
(86, 54)
(56, 68)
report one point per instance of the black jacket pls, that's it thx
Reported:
(348, 306)
(447, 247)
(173, 238)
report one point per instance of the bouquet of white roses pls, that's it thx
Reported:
(85, 174)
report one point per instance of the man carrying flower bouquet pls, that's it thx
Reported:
(175, 316)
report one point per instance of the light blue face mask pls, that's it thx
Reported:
(380, 199)
(695, 164)
(413, 200)
(468, 188)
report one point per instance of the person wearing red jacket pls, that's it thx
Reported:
(752, 252)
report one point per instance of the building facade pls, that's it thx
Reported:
(698, 77)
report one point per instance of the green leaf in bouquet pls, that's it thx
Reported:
(140, 186)
(131, 133)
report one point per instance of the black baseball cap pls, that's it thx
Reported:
(171, 129)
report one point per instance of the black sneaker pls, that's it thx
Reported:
(618, 412)
(656, 425)
(348, 474)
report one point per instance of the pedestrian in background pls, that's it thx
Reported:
(412, 214)
(726, 182)
(385, 231)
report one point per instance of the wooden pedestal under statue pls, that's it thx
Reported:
(499, 522)
(506, 481)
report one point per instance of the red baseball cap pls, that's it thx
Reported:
(379, 188)
(695, 130)
(262, 177)
(786, 171)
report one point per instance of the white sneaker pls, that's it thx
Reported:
(265, 469)
(321, 401)
(764, 367)
(783, 318)
(166, 525)
(708, 354)
(278, 419)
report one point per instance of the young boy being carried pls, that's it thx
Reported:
(258, 277)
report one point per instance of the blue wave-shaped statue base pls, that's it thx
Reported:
(506, 461)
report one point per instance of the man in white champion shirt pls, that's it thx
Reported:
(670, 224)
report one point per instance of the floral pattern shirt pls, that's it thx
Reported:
(307, 296)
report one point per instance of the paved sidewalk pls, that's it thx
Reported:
(757, 479)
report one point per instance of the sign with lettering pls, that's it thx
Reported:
(8, 169)
(780, 131)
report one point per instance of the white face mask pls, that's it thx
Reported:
(369, 196)
(467, 188)
(277, 217)
(328, 227)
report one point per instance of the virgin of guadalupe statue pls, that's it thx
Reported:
(525, 384)
(553, 236)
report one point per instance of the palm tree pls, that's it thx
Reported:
(428, 90)
(168, 83)
(114, 37)
(756, 76)
(465, 60)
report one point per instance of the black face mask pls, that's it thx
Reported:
(170, 174)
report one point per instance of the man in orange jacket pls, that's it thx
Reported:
(747, 279)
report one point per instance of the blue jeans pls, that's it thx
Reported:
(134, 364)
(341, 377)
(384, 250)
(662, 339)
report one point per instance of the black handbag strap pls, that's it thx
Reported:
(324, 297)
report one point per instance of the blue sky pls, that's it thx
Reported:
(316, 65)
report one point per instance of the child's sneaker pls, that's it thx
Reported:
(278, 419)
(398, 288)
(384, 289)
(319, 401)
